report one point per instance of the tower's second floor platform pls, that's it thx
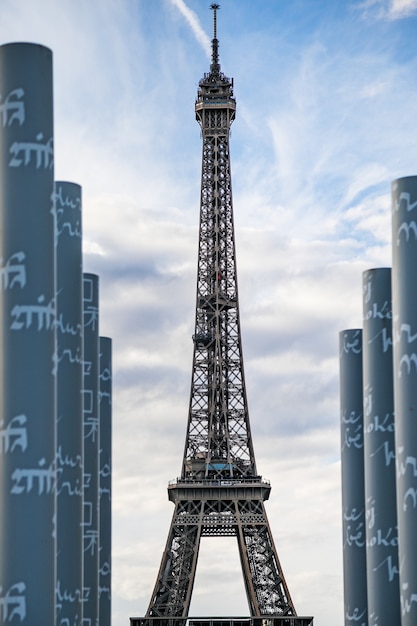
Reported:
(255, 488)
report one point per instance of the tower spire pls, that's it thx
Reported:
(215, 65)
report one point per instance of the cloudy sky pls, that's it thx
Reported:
(327, 116)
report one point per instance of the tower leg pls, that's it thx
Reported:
(175, 581)
(265, 584)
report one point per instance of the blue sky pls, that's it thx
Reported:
(326, 119)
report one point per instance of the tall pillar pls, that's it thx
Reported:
(353, 492)
(27, 373)
(379, 451)
(404, 281)
(105, 479)
(70, 431)
(91, 450)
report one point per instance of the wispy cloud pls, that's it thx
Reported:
(389, 9)
(194, 23)
(403, 8)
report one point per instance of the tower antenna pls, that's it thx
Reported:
(215, 42)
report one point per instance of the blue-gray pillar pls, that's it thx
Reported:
(379, 451)
(91, 450)
(353, 489)
(70, 431)
(27, 372)
(105, 479)
(404, 294)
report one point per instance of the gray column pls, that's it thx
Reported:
(353, 489)
(379, 451)
(91, 450)
(105, 479)
(404, 292)
(70, 431)
(27, 361)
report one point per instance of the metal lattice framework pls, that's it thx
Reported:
(219, 492)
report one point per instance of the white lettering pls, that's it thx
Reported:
(24, 314)
(66, 201)
(407, 599)
(353, 515)
(72, 230)
(90, 316)
(354, 345)
(408, 360)
(12, 109)
(389, 455)
(68, 329)
(71, 489)
(381, 313)
(406, 228)
(404, 465)
(14, 272)
(356, 616)
(24, 479)
(392, 569)
(91, 426)
(13, 603)
(14, 430)
(22, 153)
(353, 437)
(386, 339)
(91, 541)
(410, 495)
(354, 536)
(389, 539)
(370, 512)
(63, 595)
(104, 396)
(105, 375)
(405, 197)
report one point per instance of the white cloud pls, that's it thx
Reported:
(402, 8)
(194, 23)
(389, 9)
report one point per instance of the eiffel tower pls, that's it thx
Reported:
(219, 492)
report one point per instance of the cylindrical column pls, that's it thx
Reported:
(379, 451)
(91, 449)
(70, 430)
(27, 361)
(353, 490)
(105, 479)
(404, 281)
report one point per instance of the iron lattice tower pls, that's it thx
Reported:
(219, 492)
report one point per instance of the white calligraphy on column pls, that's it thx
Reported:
(13, 272)
(352, 432)
(356, 615)
(22, 152)
(405, 197)
(24, 315)
(14, 434)
(408, 598)
(25, 479)
(352, 342)
(13, 603)
(13, 108)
